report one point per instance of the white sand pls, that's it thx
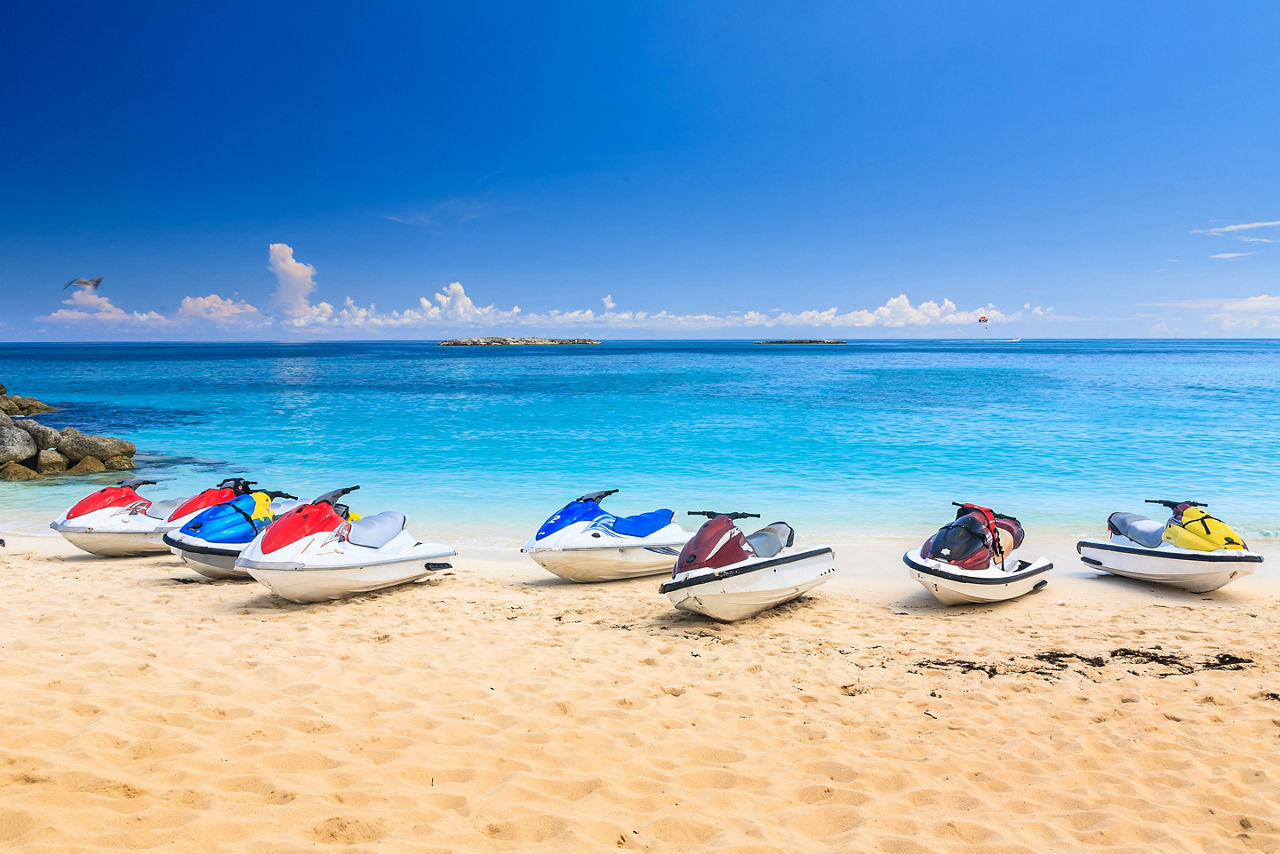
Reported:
(498, 708)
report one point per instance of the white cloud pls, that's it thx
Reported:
(295, 282)
(1231, 229)
(1248, 239)
(1230, 255)
(608, 301)
(217, 309)
(90, 306)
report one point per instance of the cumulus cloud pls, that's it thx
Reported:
(217, 309)
(90, 306)
(294, 283)
(607, 299)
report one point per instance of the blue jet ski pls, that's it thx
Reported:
(211, 542)
(584, 542)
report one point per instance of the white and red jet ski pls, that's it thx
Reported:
(321, 551)
(116, 521)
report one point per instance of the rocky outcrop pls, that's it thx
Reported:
(13, 404)
(76, 446)
(15, 445)
(473, 342)
(87, 465)
(29, 449)
(13, 471)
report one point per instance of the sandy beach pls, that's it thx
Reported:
(495, 708)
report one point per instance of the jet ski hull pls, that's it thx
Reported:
(747, 589)
(951, 585)
(1186, 569)
(114, 543)
(307, 584)
(607, 564)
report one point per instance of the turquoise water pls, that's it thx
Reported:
(479, 444)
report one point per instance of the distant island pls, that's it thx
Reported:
(805, 341)
(473, 342)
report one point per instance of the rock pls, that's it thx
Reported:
(3, 391)
(118, 463)
(75, 446)
(46, 437)
(50, 462)
(8, 407)
(13, 471)
(15, 445)
(5, 420)
(87, 465)
(25, 405)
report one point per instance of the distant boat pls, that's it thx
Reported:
(1001, 340)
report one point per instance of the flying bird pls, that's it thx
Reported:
(82, 282)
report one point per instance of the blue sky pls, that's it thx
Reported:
(637, 170)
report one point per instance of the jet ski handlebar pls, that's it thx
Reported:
(711, 514)
(1174, 505)
(272, 493)
(597, 497)
(333, 495)
(238, 484)
(134, 484)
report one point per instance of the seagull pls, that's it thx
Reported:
(82, 282)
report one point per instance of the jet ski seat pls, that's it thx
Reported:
(377, 530)
(1140, 529)
(643, 524)
(771, 539)
(162, 509)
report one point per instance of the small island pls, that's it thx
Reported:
(805, 341)
(480, 342)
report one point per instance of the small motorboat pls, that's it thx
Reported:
(116, 521)
(211, 542)
(321, 551)
(728, 575)
(1192, 550)
(584, 542)
(973, 559)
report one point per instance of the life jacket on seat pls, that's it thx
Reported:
(975, 539)
(1193, 528)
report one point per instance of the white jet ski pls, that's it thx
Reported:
(322, 551)
(583, 542)
(727, 575)
(211, 542)
(1192, 550)
(973, 560)
(116, 521)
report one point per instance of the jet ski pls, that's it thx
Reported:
(321, 550)
(584, 542)
(728, 575)
(211, 542)
(116, 521)
(1192, 550)
(973, 559)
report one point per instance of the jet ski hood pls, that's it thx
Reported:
(235, 522)
(122, 496)
(584, 524)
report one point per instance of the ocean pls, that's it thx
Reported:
(478, 445)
